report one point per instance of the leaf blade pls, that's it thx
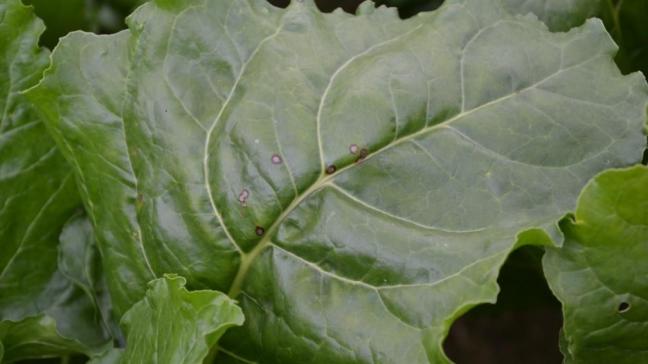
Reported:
(42, 312)
(594, 276)
(173, 325)
(465, 158)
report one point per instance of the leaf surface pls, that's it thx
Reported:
(599, 275)
(355, 181)
(42, 311)
(626, 21)
(171, 325)
(67, 318)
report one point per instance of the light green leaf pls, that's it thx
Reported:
(600, 274)
(356, 181)
(174, 326)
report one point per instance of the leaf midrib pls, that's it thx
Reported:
(324, 179)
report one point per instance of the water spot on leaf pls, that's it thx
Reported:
(243, 197)
(623, 307)
(331, 169)
(259, 231)
(276, 159)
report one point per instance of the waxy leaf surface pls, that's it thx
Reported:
(43, 311)
(355, 181)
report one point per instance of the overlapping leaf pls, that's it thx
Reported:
(626, 22)
(600, 275)
(559, 15)
(356, 181)
(171, 325)
(42, 310)
(66, 316)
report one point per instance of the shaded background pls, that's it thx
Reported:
(524, 325)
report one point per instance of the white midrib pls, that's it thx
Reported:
(210, 131)
(334, 76)
(324, 179)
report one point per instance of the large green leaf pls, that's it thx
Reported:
(174, 326)
(356, 181)
(600, 273)
(42, 311)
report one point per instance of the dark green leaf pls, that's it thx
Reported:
(626, 20)
(42, 311)
(66, 317)
(559, 15)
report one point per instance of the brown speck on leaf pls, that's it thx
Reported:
(259, 231)
(331, 169)
(364, 152)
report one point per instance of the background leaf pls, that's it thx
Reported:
(626, 21)
(598, 274)
(559, 15)
(42, 312)
(68, 318)
(65, 16)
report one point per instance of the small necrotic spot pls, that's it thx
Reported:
(364, 152)
(353, 148)
(331, 169)
(259, 231)
(243, 197)
(276, 159)
(623, 307)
